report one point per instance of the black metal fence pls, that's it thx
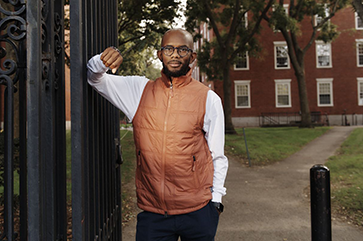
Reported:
(13, 131)
(33, 204)
(275, 119)
(96, 189)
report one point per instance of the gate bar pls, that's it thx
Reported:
(77, 58)
(34, 75)
(9, 155)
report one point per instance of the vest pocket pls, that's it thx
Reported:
(195, 173)
(193, 167)
(139, 158)
(139, 173)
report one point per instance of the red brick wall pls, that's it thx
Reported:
(262, 73)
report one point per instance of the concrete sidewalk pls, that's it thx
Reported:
(269, 203)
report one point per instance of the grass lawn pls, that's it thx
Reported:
(127, 175)
(127, 169)
(346, 174)
(269, 145)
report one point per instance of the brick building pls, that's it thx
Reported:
(267, 86)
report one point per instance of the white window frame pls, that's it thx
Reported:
(325, 81)
(248, 84)
(247, 62)
(246, 20)
(281, 44)
(286, 8)
(359, 42)
(357, 19)
(360, 91)
(284, 82)
(326, 15)
(318, 42)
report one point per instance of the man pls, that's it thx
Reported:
(178, 128)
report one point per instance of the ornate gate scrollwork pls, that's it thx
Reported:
(12, 57)
(32, 76)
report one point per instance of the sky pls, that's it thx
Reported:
(179, 23)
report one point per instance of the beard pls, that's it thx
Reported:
(183, 70)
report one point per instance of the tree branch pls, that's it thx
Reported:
(131, 39)
(234, 24)
(357, 4)
(254, 30)
(314, 34)
(213, 23)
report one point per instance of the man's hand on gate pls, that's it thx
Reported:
(112, 58)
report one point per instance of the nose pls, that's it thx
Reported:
(175, 54)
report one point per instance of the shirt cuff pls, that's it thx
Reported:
(216, 197)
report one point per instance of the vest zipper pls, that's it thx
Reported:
(171, 94)
(171, 89)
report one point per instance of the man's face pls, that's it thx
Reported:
(176, 65)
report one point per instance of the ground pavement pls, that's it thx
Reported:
(270, 203)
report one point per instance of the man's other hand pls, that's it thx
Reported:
(112, 58)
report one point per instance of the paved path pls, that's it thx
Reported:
(269, 204)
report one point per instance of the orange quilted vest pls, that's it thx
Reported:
(174, 173)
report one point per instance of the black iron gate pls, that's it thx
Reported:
(12, 86)
(33, 160)
(33, 203)
(96, 189)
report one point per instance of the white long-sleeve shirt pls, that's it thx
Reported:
(125, 93)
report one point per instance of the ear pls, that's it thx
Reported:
(160, 55)
(193, 56)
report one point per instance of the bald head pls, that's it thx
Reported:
(174, 63)
(182, 35)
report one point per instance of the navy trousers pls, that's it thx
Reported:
(200, 225)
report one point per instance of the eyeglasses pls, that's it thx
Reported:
(182, 51)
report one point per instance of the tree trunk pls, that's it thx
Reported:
(304, 101)
(229, 128)
(358, 8)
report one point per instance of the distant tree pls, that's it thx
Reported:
(319, 13)
(141, 25)
(233, 36)
(358, 7)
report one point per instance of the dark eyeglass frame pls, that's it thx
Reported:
(178, 50)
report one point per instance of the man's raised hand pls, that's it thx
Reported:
(112, 58)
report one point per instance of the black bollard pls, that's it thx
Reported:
(320, 203)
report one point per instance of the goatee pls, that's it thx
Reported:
(183, 70)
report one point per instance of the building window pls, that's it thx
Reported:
(282, 60)
(283, 93)
(285, 8)
(360, 91)
(242, 93)
(359, 52)
(244, 21)
(358, 22)
(286, 11)
(319, 19)
(242, 61)
(325, 92)
(323, 55)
